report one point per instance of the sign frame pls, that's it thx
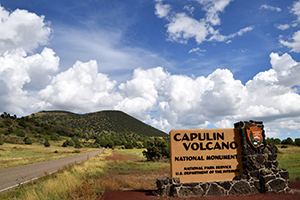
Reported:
(204, 155)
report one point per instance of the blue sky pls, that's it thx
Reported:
(172, 64)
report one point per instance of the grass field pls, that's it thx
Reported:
(289, 158)
(114, 170)
(18, 154)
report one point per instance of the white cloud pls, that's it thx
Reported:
(141, 93)
(28, 83)
(268, 7)
(81, 88)
(272, 132)
(296, 9)
(213, 8)
(220, 38)
(283, 26)
(22, 29)
(295, 44)
(182, 27)
(21, 75)
(162, 10)
(189, 8)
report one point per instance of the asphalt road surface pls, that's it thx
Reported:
(15, 176)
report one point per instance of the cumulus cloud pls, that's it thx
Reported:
(18, 72)
(22, 29)
(81, 88)
(268, 7)
(22, 75)
(182, 27)
(30, 83)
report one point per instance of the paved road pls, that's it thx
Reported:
(14, 176)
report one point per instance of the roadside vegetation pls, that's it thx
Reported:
(111, 170)
(21, 154)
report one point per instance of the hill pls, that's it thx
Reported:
(99, 122)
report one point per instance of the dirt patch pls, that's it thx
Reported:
(150, 195)
(119, 157)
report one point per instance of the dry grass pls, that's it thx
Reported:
(20, 154)
(109, 171)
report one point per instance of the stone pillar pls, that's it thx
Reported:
(259, 164)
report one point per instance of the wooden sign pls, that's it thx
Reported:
(204, 155)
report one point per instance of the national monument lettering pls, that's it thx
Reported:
(202, 154)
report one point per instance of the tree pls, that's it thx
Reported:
(128, 145)
(157, 149)
(27, 140)
(288, 141)
(297, 141)
(110, 144)
(47, 143)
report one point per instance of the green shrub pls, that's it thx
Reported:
(7, 122)
(65, 144)
(158, 149)
(21, 133)
(47, 143)
(288, 141)
(284, 146)
(27, 140)
(71, 143)
(1, 142)
(54, 137)
(128, 145)
(297, 141)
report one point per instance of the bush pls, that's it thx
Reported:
(1, 142)
(21, 133)
(54, 137)
(7, 122)
(288, 141)
(65, 144)
(128, 145)
(47, 143)
(297, 141)
(27, 140)
(110, 144)
(284, 147)
(157, 150)
(71, 143)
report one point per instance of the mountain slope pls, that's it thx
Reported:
(103, 121)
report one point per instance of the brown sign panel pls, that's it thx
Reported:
(204, 155)
(254, 136)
